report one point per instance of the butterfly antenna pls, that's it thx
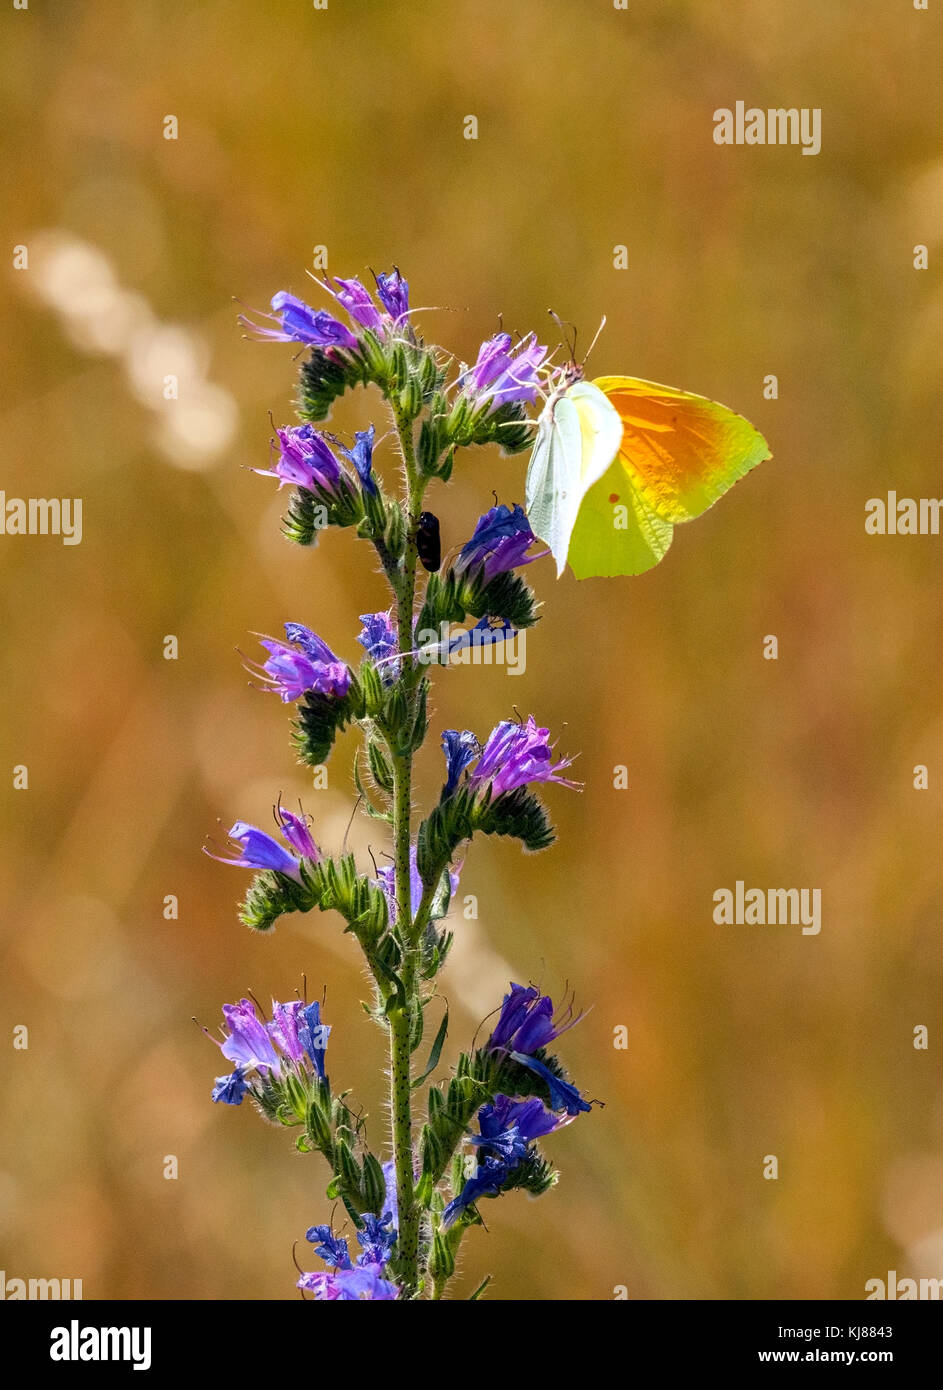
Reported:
(602, 324)
(563, 325)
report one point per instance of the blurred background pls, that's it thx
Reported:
(343, 128)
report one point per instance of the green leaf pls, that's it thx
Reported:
(436, 1051)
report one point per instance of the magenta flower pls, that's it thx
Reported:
(304, 460)
(503, 374)
(305, 662)
(356, 299)
(515, 755)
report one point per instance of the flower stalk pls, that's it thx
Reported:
(411, 1205)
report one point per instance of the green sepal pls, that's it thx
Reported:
(327, 374)
(506, 597)
(380, 769)
(309, 513)
(451, 598)
(441, 1259)
(346, 1167)
(458, 816)
(374, 1184)
(272, 894)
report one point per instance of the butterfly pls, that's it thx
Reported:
(618, 462)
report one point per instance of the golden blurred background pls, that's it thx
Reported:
(343, 127)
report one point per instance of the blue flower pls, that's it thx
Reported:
(508, 1129)
(377, 1238)
(363, 1280)
(563, 1095)
(231, 1089)
(332, 1249)
(361, 456)
(299, 323)
(526, 1020)
(498, 543)
(460, 749)
(313, 1036)
(294, 1033)
(378, 639)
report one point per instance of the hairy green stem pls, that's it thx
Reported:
(401, 1017)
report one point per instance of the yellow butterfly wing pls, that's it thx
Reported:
(680, 452)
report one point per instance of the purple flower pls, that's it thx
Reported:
(307, 664)
(283, 1029)
(299, 323)
(248, 1042)
(356, 299)
(231, 1089)
(514, 755)
(460, 749)
(503, 374)
(377, 1239)
(499, 543)
(304, 460)
(508, 1129)
(294, 1033)
(361, 456)
(393, 293)
(526, 1021)
(296, 832)
(363, 1283)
